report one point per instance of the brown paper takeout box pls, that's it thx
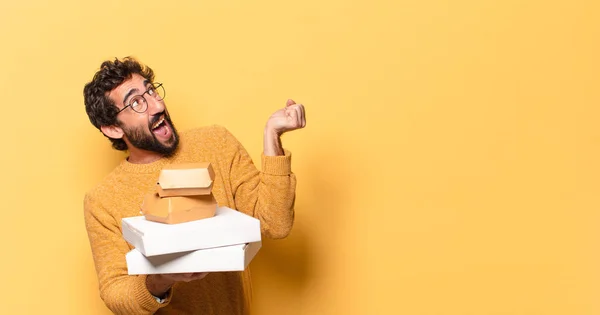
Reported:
(183, 193)
(186, 180)
(173, 210)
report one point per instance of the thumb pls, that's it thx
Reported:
(289, 103)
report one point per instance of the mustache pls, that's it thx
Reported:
(157, 117)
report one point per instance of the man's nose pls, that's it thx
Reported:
(154, 106)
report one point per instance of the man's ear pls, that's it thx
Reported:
(113, 132)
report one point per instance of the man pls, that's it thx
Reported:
(128, 107)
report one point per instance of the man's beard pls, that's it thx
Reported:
(144, 141)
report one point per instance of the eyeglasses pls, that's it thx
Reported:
(139, 104)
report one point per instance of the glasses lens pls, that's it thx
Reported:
(159, 91)
(139, 104)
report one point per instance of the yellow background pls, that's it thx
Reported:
(450, 164)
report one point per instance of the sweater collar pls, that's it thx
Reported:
(143, 168)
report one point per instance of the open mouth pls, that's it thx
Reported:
(160, 127)
(159, 123)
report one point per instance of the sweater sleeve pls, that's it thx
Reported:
(122, 293)
(268, 194)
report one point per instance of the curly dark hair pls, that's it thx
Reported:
(101, 110)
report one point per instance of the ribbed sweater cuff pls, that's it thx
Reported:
(143, 296)
(277, 165)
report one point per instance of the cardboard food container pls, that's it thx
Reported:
(174, 210)
(189, 179)
(228, 258)
(227, 227)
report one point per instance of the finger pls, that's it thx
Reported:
(174, 276)
(186, 276)
(292, 115)
(302, 116)
(298, 116)
(183, 276)
(195, 276)
(189, 277)
(290, 103)
(200, 275)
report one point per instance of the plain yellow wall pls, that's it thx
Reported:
(450, 164)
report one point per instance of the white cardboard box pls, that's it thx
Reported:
(227, 258)
(227, 227)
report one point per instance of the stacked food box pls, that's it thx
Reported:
(182, 228)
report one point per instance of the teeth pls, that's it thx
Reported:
(158, 123)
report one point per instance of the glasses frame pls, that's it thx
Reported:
(154, 86)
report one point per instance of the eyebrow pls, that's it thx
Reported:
(133, 91)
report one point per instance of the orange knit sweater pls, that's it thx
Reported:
(267, 194)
